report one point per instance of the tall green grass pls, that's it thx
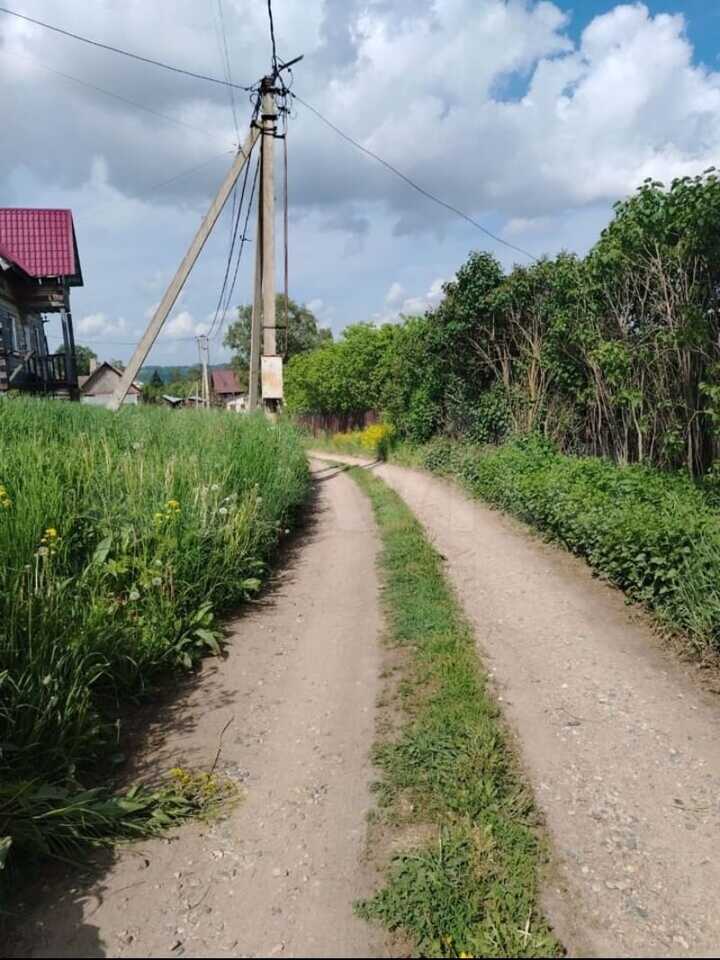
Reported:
(121, 537)
(448, 767)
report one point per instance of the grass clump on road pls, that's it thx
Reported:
(121, 539)
(655, 535)
(448, 771)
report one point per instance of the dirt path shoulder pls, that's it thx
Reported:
(619, 740)
(297, 692)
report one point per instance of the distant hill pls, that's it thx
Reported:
(171, 374)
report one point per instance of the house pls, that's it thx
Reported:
(98, 387)
(226, 387)
(39, 263)
(239, 405)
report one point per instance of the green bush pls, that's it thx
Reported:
(655, 535)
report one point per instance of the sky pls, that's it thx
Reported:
(532, 117)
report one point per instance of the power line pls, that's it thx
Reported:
(109, 93)
(164, 183)
(272, 39)
(117, 343)
(124, 53)
(411, 183)
(243, 241)
(228, 264)
(227, 68)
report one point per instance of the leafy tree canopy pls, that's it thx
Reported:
(303, 333)
(83, 356)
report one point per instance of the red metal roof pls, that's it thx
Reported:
(225, 381)
(41, 242)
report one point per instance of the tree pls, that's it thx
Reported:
(154, 388)
(341, 377)
(83, 356)
(118, 364)
(303, 333)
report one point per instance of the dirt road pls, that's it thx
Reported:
(619, 740)
(279, 876)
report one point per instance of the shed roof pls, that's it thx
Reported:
(40, 242)
(87, 383)
(225, 381)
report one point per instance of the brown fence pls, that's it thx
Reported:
(317, 423)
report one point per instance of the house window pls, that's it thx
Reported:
(7, 331)
(20, 335)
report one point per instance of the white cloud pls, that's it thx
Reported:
(409, 306)
(395, 293)
(100, 325)
(184, 326)
(489, 104)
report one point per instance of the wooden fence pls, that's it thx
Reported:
(317, 423)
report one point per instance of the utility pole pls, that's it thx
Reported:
(271, 364)
(269, 129)
(178, 281)
(204, 351)
(256, 319)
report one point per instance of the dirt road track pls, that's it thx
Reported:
(620, 742)
(279, 876)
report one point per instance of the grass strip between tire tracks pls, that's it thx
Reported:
(448, 773)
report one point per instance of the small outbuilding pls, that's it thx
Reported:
(226, 387)
(98, 387)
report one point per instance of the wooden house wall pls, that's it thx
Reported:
(21, 330)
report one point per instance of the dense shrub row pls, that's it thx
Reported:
(615, 354)
(654, 535)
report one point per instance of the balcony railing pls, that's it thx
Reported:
(37, 374)
(50, 371)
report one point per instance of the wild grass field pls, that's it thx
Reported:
(121, 539)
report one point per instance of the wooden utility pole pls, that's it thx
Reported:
(269, 130)
(204, 350)
(271, 363)
(178, 281)
(256, 320)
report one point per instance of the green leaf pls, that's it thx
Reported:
(102, 550)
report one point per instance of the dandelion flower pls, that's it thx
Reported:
(42, 551)
(51, 533)
(223, 511)
(134, 595)
(172, 505)
(157, 581)
(215, 487)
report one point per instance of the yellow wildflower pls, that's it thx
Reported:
(172, 505)
(51, 533)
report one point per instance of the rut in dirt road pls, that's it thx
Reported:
(278, 877)
(620, 742)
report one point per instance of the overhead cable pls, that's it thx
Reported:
(125, 53)
(411, 183)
